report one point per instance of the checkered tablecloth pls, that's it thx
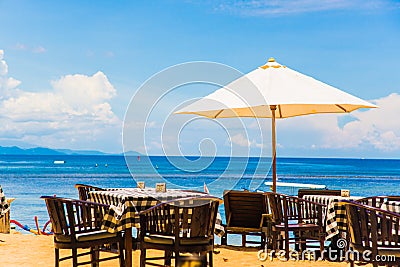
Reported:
(335, 214)
(393, 206)
(4, 207)
(126, 203)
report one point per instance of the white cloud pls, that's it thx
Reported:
(3, 64)
(39, 50)
(109, 54)
(240, 140)
(286, 7)
(154, 144)
(372, 128)
(19, 46)
(7, 84)
(378, 127)
(78, 90)
(138, 125)
(74, 114)
(23, 47)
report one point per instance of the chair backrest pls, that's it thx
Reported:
(244, 209)
(286, 208)
(371, 227)
(83, 190)
(70, 216)
(196, 220)
(377, 201)
(325, 192)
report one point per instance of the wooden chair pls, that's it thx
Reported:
(83, 193)
(374, 235)
(178, 229)
(297, 215)
(76, 224)
(83, 190)
(246, 213)
(324, 192)
(377, 201)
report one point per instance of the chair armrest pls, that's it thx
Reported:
(159, 205)
(94, 203)
(143, 212)
(63, 199)
(171, 202)
(355, 203)
(265, 218)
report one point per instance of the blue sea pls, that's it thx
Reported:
(26, 178)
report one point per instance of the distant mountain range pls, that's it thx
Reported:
(14, 150)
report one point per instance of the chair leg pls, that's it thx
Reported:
(167, 256)
(94, 256)
(56, 257)
(322, 247)
(120, 245)
(269, 242)
(142, 257)
(263, 240)
(287, 245)
(224, 239)
(176, 259)
(282, 241)
(243, 240)
(279, 241)
(275, 241)
(302, 244)
(210, 259)
(74, 257)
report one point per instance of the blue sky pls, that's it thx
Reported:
(68, 69)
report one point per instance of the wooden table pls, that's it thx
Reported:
(126, 203)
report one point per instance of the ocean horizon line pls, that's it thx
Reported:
(104, 154)
(46, 151)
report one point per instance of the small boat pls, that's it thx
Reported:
(59, 161)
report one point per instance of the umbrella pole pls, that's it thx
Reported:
(273, 108)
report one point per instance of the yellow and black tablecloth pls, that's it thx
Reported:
(4, 207)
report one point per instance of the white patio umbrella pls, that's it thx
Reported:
(280, 93)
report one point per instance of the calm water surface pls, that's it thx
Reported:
(28, 177)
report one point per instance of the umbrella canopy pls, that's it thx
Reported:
(274, 91)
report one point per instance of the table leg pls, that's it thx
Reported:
(128, 247)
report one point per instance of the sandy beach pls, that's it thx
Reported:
(29, 250)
